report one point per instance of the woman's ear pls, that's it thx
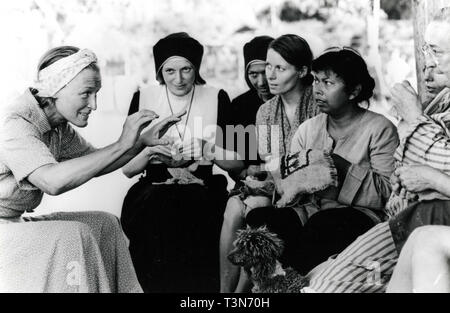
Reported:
(356, 91)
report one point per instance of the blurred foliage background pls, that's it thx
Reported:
(122, 33)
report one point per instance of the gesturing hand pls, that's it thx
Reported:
(152, 137)
(133, 126)
(406, 101)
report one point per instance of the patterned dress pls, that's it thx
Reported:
(60, 252)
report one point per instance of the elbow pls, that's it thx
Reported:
(52, 190)
(128, 173)
(51, 187)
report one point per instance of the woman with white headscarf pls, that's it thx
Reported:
(40, 152)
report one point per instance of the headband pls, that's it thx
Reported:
(56, 76)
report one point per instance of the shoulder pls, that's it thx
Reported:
(151, 89)
(376, 121)
(317, 121)
(206, 89)
(20, 109)
(244, 97)
(268, 107)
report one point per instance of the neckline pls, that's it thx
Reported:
(349, 131)
(188, 112)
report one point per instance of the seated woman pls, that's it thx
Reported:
(172, 215)
(40, 152)
(288, 71)
(361, 144)
(367, 264)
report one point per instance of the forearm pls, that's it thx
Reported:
(365, 188)
(233, 167)
(123, 159)
(229, 161)
(137, 164)
(58, 178)
(441, 183)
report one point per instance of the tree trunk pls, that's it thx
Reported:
(422, 12)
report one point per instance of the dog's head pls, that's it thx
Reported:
(256, 248)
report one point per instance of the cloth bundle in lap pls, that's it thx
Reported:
(305, 172)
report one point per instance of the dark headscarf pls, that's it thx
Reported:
(255, 49)
(178, 44)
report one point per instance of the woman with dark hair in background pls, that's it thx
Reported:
(288, 71)
(242, 115)
(172, 215)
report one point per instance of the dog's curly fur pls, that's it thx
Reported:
(257, 250)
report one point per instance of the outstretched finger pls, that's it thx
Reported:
(144, 121)
(179, 114)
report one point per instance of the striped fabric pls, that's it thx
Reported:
(427, 141)
(368, 263)
(363, 267)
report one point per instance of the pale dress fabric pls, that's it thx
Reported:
(61, 252)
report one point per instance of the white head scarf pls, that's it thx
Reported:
(56, 76)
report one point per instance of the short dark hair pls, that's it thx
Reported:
(296, 51)
(351, 68)
(50, 57)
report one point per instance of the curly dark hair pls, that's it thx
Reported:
(351, 68)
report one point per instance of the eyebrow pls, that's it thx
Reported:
(91, 86)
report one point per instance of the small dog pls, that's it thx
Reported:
(257, 251)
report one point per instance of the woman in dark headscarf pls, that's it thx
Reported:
(172, 215)
(243, 113)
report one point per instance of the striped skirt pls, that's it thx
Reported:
(365, 266)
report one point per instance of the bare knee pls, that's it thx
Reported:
(431, 237)
(233, 210)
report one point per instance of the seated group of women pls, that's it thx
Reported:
(180, 219)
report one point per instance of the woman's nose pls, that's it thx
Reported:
(261, 80)
(270, 73)
(317, 89)
(178, 77)
(428, 74)
(93, 102)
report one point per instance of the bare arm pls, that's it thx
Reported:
(60, 177)
(418, 178)
(228, 161)
(149, 138)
